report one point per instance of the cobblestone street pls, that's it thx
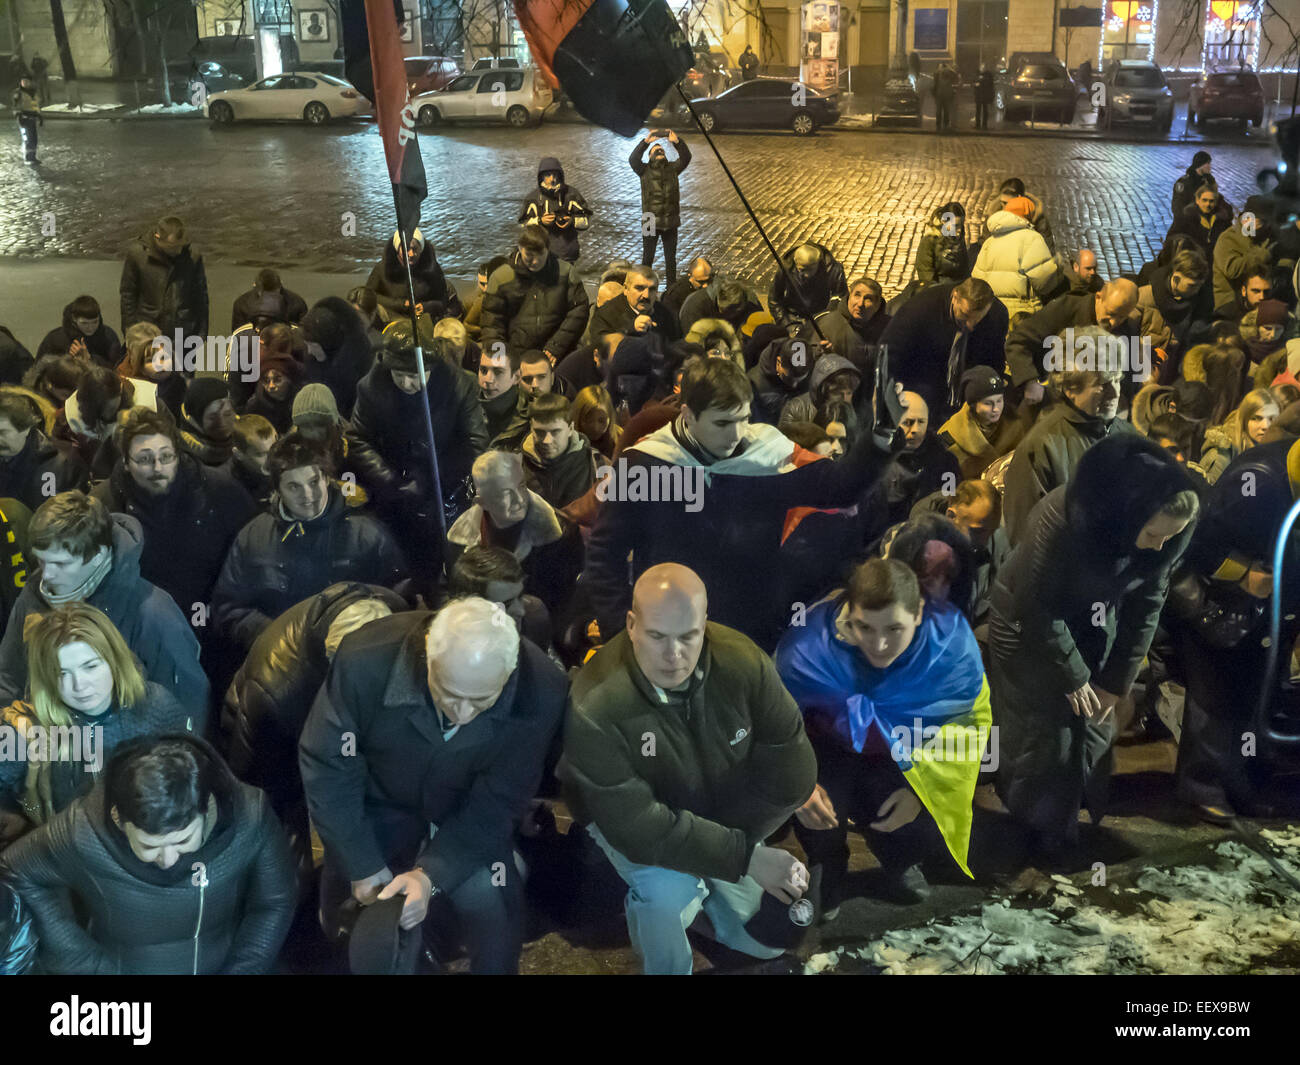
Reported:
(277, 194)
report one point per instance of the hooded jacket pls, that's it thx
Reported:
(392, 424)
(566, 204)
(1151, 401)
(270, 697)
(334, 325)
(387, 281)
(732, 760)
(24, 477)
(809, 298)
(260, 309)
(1016, 262)
(565, 477)
(141, 919)
(278, 561)
(170, 292)
(660, 185)
(771, 394)
(103, 344)
(940, 257)
(804, 406)
(545, 310)
(476, 785)
(154, 627)
(1218, 450)
(1038, 218)
(187, 532)
(1047, 457)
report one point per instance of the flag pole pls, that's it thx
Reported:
(753, 217)
(424, 377)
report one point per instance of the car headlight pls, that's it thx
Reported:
(1123, 98)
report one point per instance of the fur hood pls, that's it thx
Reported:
(541, 527)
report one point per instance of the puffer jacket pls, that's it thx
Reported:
(660, 187)
(706, 328)
(1037, 218)
(732, 760)
(41, 469)
(567, 205)
(270, 697)
(17, 934)
(387, 281)
(940, 257)
(544, 310)
(1218, 451)
(334, 326)
(1016, 262)
(103, 345)
(224, 908)
(171, 293)
(277, 561)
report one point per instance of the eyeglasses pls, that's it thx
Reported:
(148, 460)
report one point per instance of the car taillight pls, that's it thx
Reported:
(348, 94)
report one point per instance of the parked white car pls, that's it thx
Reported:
(514, 96)
(301, 94)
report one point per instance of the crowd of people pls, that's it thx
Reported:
(702, 565)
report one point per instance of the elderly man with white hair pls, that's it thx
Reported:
(420, 758)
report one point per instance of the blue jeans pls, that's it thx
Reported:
(662, 903)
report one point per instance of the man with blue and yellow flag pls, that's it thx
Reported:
(896, 704)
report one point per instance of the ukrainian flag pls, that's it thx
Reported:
(931, 704)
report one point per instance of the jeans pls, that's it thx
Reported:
(662, 903)
(670, 251)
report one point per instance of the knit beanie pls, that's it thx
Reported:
(202, 393)
(1200, 159)
(980, 382)
(315, 401)
(1271, 312)
(1021, 205)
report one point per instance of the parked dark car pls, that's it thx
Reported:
(768, 103)
(1038, 90)
(901, 105)
(424, 73)
(1136, 95)
(1232, 94)
(223, 63)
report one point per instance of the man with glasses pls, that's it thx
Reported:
(190, 513)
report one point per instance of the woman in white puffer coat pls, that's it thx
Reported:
(1014, 259)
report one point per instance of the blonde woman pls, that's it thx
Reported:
(1244, 428)
(593, 417)
(87, 696)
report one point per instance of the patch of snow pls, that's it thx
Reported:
(167, 109)
(83, 109)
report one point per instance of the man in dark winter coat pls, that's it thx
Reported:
(713, 449)
(1203, 221)
(207, 423)
(15, 360)
(781, 374)
(268, 702)
(266, 302)
(83, 334)
(818, 278)
(1231, 561)
(637, 311)
(735, 303)
(938, 334)
(32, 466)
(1027, 345)
(660, 196)
(420, 758)
(1046, 458)
(1185, 187)
(1178, 298)
(339, 353)
(1074, 610)
(686, 828)
(87, 555)
(924, 465)
(254, 438)
(558, 208)
(116, 880)
(559, 464)
(536, 302)
(699, 275)
(164, 282)
(190, 513)
(855, 326)
(388, 418)
(505, 407)
(307, 541)
(434, 294)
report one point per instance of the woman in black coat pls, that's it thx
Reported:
(436, 296)
(1074, 610)
(83, 334)
(189, 875)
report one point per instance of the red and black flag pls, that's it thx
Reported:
(373, 63)
(615, 59)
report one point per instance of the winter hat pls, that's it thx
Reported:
(202, 393)
(399, 344)
(784, 925)
(1271, 312)
(1021, 205)
(980, 382)
(1200, 159)
(315, 401)
(378, 946)
(1193, 400)
(417, 240)
(286, 364)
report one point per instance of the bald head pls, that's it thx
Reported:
(1085, 264)
(916, 419)
(666, 623)
(610, 290)
(805, 257)
(1115, 302)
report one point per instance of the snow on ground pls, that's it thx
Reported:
(80, 109)
(167, 109)
(1232, 915)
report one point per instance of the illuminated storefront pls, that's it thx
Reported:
(1128, 31)
(1231, 34)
